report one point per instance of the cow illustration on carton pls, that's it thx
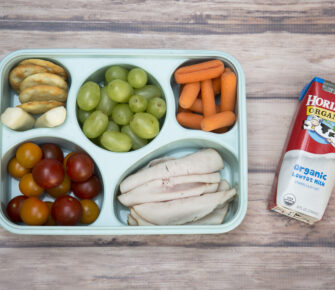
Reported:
(316, 124)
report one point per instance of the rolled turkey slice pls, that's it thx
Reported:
(140, 195)
(139, 220)
(201, 162)
(131, 221)
(216, 217)
(224, 185)
(184, 210)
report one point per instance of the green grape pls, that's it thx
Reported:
(149, 91)
(137, 141)
(119, 91)
(144, 125)
(116, 141)
(121, 114)
(116, 72)
(82, 115)
(112, 126)
(156, 107)
(106, 104)
(88, 96)
(138, 103)
(95, 124)
(137, 78)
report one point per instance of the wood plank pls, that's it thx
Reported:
(219, 17)
(168, 268)
(267, 59)
(260, 228)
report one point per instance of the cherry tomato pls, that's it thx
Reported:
(13, 208)
(50, 220)
(87, 189)
(67, 157)
(52, 151)
(66, 210)
(28, 154)
(48, 173)
(29, 187)
(90, 211)
(61, 189)
(34, 212)
(15, 169)
(80, 167)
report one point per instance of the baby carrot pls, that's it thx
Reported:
(199, 72)
(219, 120)
(207, 96)
(217, 85)
(221, 130)
(180, 109)
(228, 91)
(189, 94)
(197, 107)
(189, 120)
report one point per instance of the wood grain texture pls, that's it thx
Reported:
(276, 65)
(168, 268)
(281, 45)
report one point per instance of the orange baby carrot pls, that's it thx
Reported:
(199, 72)
(189, 94)
(219, 120)
(207, 96)
(197, 107)
(189, 120)
(228, 91)
(217, 85)
(221, 130)
(180, 109)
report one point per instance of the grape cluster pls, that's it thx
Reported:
(123, 114)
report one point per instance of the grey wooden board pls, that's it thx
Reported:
(281, 46)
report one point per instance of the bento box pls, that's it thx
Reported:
(172, 140)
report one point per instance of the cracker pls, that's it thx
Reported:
(43, 79)
(39, 107)
(50, 66)
(20, 72)
(43, 93)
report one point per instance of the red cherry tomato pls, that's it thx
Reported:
(52, 151)
(87, 189)
(48, 173)
(13, 208)
(80, 167)
(66, 210)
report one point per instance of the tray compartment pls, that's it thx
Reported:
(99, 76)
(178, 149)
(10, 97)
(10, 185)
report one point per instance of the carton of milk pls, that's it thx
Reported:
(306, 174)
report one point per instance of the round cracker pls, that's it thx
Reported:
(43, 79)
(20, 72)
(39, 107)
(50, 66)
(43, 93)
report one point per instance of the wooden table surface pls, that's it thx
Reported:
(281, 46)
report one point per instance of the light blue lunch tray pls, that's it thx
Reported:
(173, 140)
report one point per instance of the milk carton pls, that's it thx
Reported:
(306, 174)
